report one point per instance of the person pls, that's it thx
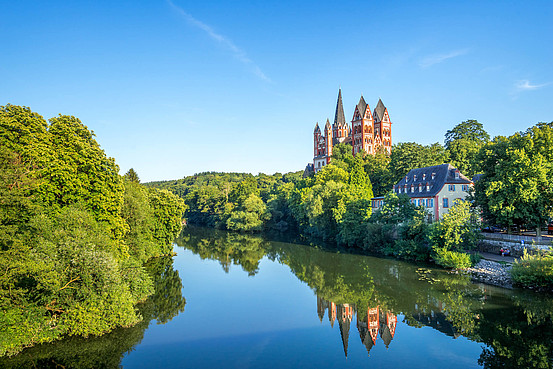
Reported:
(505, 251)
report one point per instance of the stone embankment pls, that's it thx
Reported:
(491, 272)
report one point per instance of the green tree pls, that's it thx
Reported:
(132, 176)
(516, 187)
(458, 230)
(377, 167)
(251, 216)
(470, 130)
(463, 143)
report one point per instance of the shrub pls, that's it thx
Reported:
(475, 258)
(451, 259)
(533, 270)
(378, 237)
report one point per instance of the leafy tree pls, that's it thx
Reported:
(168, 210)
(132, 176)
(377, 167)
(516, 187)
(470, 130)
(463, 143)
(458, 230)
(251, 216)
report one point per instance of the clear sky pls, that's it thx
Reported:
(176, 87)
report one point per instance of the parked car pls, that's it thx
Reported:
(550, 228)
(492, 229)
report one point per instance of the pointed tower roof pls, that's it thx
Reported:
(339, 117)
(317, 128)
(327, 125)
(379, 110)
(344, 332)
(362, 106)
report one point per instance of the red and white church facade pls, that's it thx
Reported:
(370, 131)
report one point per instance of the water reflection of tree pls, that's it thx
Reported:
(516, 329)
(108, 350)
(227, 248)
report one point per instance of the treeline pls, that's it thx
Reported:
(335, 203)
(74, 234)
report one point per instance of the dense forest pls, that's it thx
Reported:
(74, 234)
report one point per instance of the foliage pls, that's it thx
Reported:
(73, 234)
(470, 130)
(458, 230)
(451, 259)
(534, 271)
(251, 216)
(132, 176)
(516, 188)
(167, 213)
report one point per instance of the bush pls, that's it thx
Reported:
(451, 259)
(475, 258)
(411, 250)
(533, 270)
(378, 237)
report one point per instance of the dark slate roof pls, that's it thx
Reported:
(317, 127)
(445, 174)
(379, 111)
(339, 117)
(361, 106)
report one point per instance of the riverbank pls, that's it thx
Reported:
(492, 272)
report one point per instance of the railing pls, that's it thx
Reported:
(528, 241)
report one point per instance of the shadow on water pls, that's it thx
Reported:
(358, 293)
(108, 350)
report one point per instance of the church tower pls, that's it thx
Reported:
(362, 128)
(383, 127)
(328, 137)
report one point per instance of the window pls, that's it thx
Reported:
(423, 176)
(433, 176)
(446, 203)
(427, 187)
(415, 178)
(452, 187)
(430, 203)
(465, 188)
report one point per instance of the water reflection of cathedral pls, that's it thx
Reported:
(369, 323)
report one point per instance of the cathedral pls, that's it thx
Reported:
(369, 131)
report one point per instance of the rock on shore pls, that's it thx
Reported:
(491, 272)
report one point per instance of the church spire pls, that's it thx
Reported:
(339, 117)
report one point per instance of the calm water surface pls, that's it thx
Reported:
(237, 301)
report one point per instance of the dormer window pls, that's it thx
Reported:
(424, 176)
(420, 187)
(406, 179)
(457, 173)
(433, 176)
(415, 178)
(412, 188)
(427, 186)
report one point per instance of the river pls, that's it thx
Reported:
(239, 301)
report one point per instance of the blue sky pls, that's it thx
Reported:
(176, 87)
